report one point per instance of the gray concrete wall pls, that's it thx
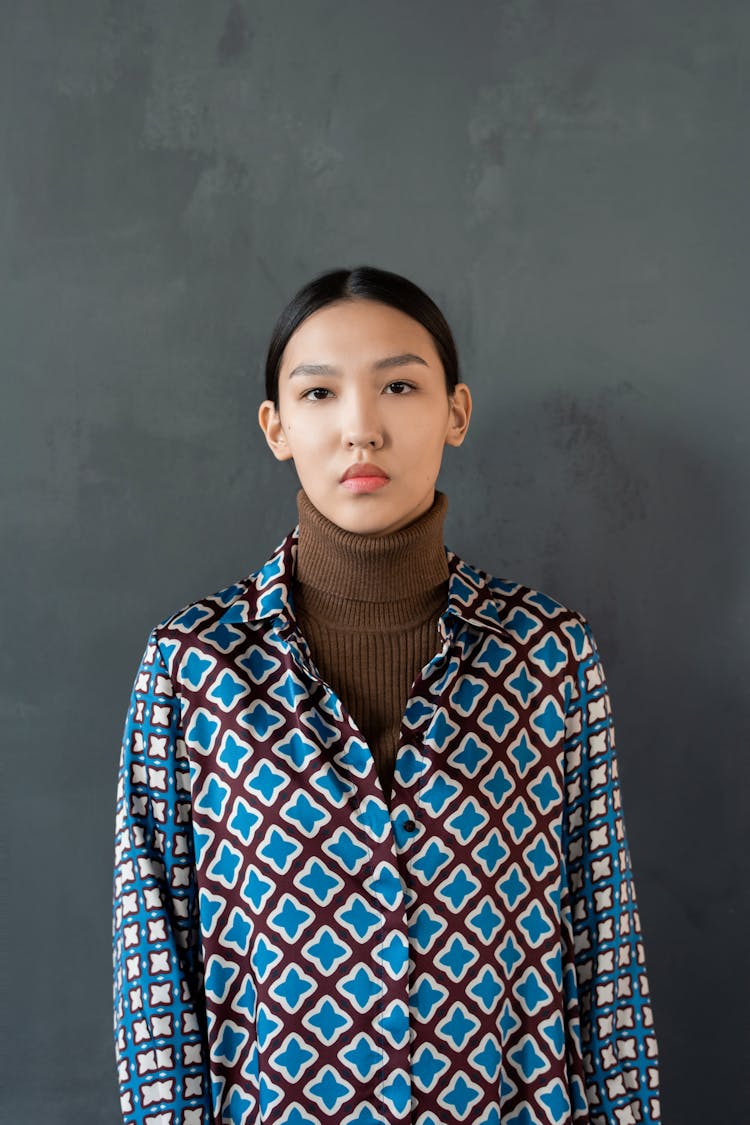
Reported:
(570, 182)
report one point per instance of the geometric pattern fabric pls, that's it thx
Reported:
(290, 949)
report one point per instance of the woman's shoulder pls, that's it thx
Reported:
(257, 595)
(230, 603)
(525, 626)
(521, 607)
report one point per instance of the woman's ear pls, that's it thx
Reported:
(460, 413)
(270, 423)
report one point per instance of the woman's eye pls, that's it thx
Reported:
(401, 385)
(316, 391)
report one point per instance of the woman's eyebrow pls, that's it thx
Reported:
(378, 365)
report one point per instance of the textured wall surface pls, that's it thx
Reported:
(570, 182)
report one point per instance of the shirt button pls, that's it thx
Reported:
(409, 826)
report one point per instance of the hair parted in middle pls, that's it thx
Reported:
(363, 283)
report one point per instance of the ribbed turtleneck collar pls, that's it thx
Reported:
(343, 575)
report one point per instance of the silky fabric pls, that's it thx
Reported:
(290, 949)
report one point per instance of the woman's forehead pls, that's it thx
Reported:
(359, 334)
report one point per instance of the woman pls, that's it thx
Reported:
(371, 862)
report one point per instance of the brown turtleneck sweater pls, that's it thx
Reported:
(368, 607)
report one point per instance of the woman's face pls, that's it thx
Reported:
(361, 384)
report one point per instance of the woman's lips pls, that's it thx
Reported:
(364, 484)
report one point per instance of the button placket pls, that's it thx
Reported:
(389, 843)
(405, 796)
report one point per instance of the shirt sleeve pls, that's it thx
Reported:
(159, 1011)
(616, 1022)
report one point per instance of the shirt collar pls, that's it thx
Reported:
(474, 597)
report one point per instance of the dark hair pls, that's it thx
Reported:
(365, 282)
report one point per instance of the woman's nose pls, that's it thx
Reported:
(362, 426)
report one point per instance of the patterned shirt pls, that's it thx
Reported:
(290, 949)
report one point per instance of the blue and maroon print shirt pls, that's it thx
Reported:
(289, 949)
